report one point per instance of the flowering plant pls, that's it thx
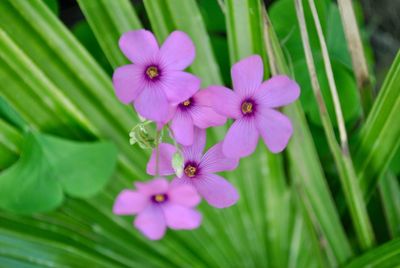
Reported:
(162, 92)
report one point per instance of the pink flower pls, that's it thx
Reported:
(199, 170)
(252, 104)
(194, 112)
(159, 205)
(156, 79)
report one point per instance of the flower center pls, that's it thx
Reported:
(190, 171)
(186, 104)
(247, 107)
(159, 198)
(152, 72)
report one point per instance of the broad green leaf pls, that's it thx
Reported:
(59, 68)
(283, 16)
(48, 166)
(347, 91)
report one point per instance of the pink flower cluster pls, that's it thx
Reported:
(161, 91)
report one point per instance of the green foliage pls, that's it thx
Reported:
(57, 81)
(49, 166)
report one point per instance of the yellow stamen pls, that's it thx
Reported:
(159, 198)
(152, 72)
(190, 171)
(247, 107)
(186, 103)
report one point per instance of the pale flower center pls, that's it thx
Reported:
(152, 72)
(190, 171)
(159, 198)
(247, 107)
(186, 103)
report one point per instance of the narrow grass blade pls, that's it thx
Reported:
(310, 177)
(357, 53)
(379, 136)
(167, 16)
(389, 190)
(341, 155)
(244, 28)
(109, 20)
(386, 255)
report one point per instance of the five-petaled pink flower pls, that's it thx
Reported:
(199, 170)
(156, 78)
(251, 104)
(194, 112)
(160, 205)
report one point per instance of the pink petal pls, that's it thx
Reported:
(128, 82)
(165, 154)
(155, 186)
(247, 75)
(241, 139)
(180, 217)
(139, 46)
(183, 181)
(203, 114)
(152, 104)
(182, 127)
(225, 101)
(278, 91)
(178, 51)
(183, 194)
(179, 86)
(151, 222)
(217, 191)
(275, 128)
(215, 161)
(195, 151)
(130, 202)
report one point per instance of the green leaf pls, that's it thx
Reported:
(49, 165)
(244, 29)
(84, 34)
(109, 20)
(283, 16)
(347, 90)
(53, 6)
(386, 255)
(9, 114)
(10, 144)
(389, 190)
(310, 177)
(170, 15)
(379, 137)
